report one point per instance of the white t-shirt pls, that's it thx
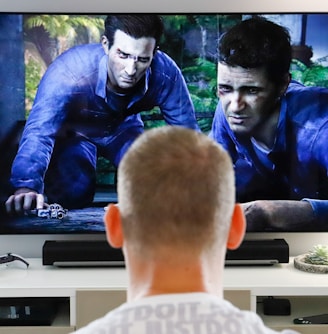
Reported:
(188, 313)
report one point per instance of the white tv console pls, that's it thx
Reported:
(88, 293)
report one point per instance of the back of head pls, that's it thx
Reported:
(256, 43)
(176, 189)
(136, 26)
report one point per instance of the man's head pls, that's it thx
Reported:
(258, 43)
(130, 41)
(253, 74)
(176, 191)
(136, 26)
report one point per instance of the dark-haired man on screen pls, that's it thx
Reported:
(87, 105)
(275, 129)
(175, 218)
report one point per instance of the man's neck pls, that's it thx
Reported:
(149, 278)
(265, 135)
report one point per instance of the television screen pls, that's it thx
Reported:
(37, 44)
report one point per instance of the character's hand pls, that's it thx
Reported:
(278, 215)
(256, 216)
(24, 199)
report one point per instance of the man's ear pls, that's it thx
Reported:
(237, 228)
(155, 50)
(285, 84)
(112, 220)
(105, 43)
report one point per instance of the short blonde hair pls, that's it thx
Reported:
(175, 188)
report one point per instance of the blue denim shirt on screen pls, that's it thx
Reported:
(72, 98)
(296, 167)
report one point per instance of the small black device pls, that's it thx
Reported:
(276, 306)
(27, 311)
(313, 319)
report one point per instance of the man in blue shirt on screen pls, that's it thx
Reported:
(275, 129)
(87, 105)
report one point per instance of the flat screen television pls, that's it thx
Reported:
(35, 33)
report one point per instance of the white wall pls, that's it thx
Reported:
(166, 6)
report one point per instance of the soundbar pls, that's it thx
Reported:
(259, 252)
(99, 253)
(81, 253)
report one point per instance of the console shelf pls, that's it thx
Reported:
(89, 293)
